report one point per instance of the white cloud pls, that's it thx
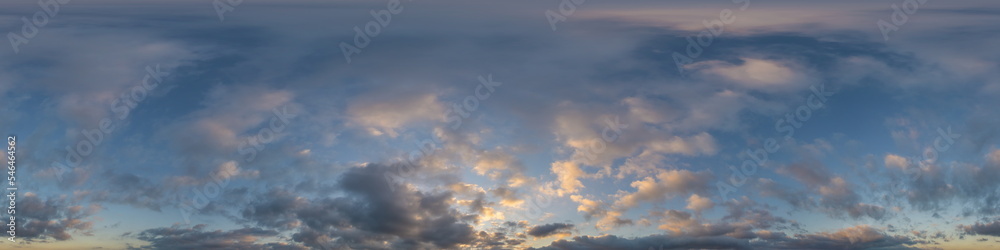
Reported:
(994, 157)
(698, 203)
(385, 115)
(667, 184)
(754, 74)
(231, 169)
(700, 144)
(896, 161)
(568, 174)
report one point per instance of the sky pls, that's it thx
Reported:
(555, 124)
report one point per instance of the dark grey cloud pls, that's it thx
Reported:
(977, 185)
(652, 241)
(197, 237)
(504, 235)
(549, 229)
(931, 190)
(989, 228)
(496, 240)
(372, 210)
(52, 218)
(748, 212)
(860, 237)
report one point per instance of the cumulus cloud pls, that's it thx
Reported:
(667, 184)
(994, 157)
(607, 218)
(387, 114)
(699, 204)
(508, 197)
(699, 144)
(499, 165)
(677, 222)
(568, 174)
(896, 161)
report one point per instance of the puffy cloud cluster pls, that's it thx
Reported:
(53, 218)
(373, 211)
(667, 184)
